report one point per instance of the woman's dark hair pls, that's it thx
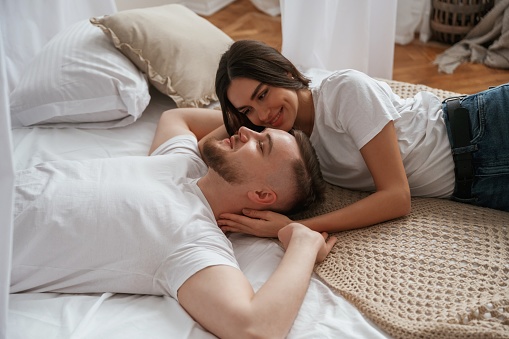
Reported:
(257, 61)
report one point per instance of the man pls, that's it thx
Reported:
(146, 225)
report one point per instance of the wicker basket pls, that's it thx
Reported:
(451, 20)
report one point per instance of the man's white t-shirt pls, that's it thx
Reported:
(351, 108)
(134, 224)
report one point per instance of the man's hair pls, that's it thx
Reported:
(310, 186)
(257, 61)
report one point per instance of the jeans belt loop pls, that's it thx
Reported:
(459, 121)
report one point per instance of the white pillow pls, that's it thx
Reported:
(79, 79)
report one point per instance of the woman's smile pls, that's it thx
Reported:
(278, 120)
(264, 105)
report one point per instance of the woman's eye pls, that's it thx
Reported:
(262, 95)
(245, 111)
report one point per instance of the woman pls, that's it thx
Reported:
(368, 138)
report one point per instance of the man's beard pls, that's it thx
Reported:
(216, 159)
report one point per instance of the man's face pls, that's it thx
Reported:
(251, 155)
(216, 159)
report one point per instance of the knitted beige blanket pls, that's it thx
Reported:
(440, 272)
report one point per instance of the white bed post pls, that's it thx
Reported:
(6, 194)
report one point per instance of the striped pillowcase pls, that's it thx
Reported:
(79, 79)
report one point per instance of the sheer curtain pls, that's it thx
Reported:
(21, 40)
(413, 17)
(338, 34)
(6, 189)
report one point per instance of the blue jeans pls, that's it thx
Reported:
(489, 146)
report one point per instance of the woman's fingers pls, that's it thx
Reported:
(258, 223)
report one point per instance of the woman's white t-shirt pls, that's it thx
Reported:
(351, 108)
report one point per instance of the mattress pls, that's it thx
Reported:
(324, 313)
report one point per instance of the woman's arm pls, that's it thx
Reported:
(391, 199)
(221, 299)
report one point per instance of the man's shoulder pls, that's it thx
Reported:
(179, 144)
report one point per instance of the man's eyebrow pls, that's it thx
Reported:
(271, 144)
(256, 90)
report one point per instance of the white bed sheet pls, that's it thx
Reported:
(324, 314)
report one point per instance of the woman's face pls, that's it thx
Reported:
(264, 105)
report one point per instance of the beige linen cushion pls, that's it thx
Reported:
(176, 48)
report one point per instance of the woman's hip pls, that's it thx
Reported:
(478, 130)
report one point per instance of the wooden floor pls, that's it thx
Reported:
(412, 62)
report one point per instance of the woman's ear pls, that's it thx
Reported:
(262, 197)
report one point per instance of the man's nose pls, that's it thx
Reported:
(246, 133)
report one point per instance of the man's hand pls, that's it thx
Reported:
(296, 232)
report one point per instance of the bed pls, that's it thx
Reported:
(51, 315)
(107, 103)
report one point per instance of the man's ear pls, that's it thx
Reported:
(262, 197)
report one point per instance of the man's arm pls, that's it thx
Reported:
(181, 121)
(222, 300)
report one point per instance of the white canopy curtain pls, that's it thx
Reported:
(21, 40)
(6, 190)
(339, 34)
